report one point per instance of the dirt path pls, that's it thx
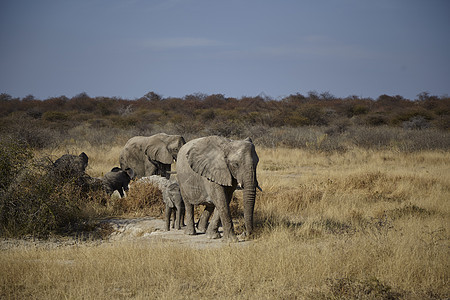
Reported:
(145, 230)
(151, 229)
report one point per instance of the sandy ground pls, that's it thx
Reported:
(146, 230)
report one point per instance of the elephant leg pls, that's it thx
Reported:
(213, 228)
(222, 201)
(120, 190)
(190, 229)
(175, 219)
(150, 168)
(204, 218)
(227, 224)
(182, 212)
(165, 170)
(178, 219)
(168, 213)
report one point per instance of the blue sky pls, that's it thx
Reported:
(126, 48)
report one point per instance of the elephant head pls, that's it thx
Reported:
(174, 203)
(227, 162)
(128, 172)
(164, 148)
(151, 155)
(70, 166)
(172, 195)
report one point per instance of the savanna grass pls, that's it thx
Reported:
(358, 224)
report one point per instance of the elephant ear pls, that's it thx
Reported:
(207, 158)
(84, 159)
(130, 172)
(157, 151)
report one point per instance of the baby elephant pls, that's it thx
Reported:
(174, 203)
(117, 180)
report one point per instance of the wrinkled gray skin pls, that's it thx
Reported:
(70, 166)
(151, 155)
(174, 204)
(208, 171)
(117, 180)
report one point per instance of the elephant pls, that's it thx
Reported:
(152, 155)
(174, 203)
(117, 180)
(208, 171)
(70, 166)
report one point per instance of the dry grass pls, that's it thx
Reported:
(101, 159)
(356, 225)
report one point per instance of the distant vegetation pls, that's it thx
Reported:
(354, 202)
(317, 121)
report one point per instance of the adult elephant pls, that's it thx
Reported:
(151, 155)
(208, 172)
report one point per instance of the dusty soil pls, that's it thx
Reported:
(145, 230)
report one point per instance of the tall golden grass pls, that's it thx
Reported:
(360, 224)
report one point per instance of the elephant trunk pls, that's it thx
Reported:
(249, 195)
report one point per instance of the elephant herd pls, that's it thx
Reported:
(208, 171)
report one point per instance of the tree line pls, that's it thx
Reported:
(294, 110)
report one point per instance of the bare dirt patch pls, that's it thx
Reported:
(150, 229)
(145, 230)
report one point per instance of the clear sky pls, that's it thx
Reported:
(126, 48)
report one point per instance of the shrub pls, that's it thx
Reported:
(359, 110)
(417, 122)
(55, 116)
(385, 137)
(37, 203)
(94, 136)
(411, 114)
(143, 198)
(314, 114)
(13, 156)
(377, 119)
(443, 122)
(311, 138)
(228, 128)
(295, 120)
(338, 127)
(30, 131)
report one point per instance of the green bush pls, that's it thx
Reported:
(376, 119)
(314, 114)
(408, 115)
(124, 122)
(55, 116)
(357, 109)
